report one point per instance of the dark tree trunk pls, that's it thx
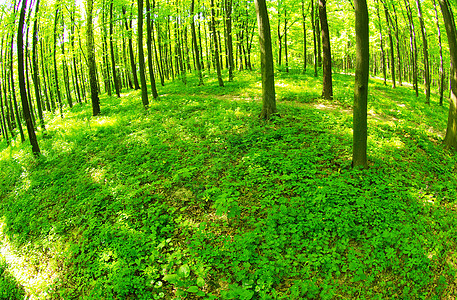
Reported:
(194, 41)
(441, 72)
(144, 88)
(36, 79)
(286, 53)
(313, 24)
(72, 41)
(66, 77)
(228, 26)
(132, 56)
(383, 54)
(451, 132)
(318, 38)
(391, 43)
(45, 72)
(91, 59)
(266, 58)
(149, 46)
(56, 77)
(425, 49)
(397, 39)
(359, 140)
(13, 92)
(327, 88)
(304, 34)
(216, 47)
(23, 92)
(412, 45)
(113, 59)
(105, 60)
(158, 59)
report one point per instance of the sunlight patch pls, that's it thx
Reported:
(97, 175)
(32, 270)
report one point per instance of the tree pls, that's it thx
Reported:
(149, 47)
(450, 139)
(194, 42)
(23, 92)
(425, 49)
(266, 61)
(359, 139)
(327, 88)
(91, 59)
(36, 80)
(216, 45)
(111, 43)
(131, 55)
(144, 88)
(441, 70)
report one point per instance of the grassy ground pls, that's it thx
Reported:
(198, 199)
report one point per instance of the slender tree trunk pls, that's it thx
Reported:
(304, 34)
(111, 43)
(149, 46)
(45, 71)
(66, 77)
(56, 77)
(91, 59)
(216, 47)
(73, 49)
(383, 54)
(313, 24)
(36, 79)
(158, 60)
(318, 37)
(327, 89)
(441, 72)
(286, 53)
(391, 43)
(228, 25)
(23, 92)
(132, 56)
(194, 41)
(425, 49)
(413, 45)
(397, 39)
(144, 88)
(13, 92)
(359, 140)
(266, 58)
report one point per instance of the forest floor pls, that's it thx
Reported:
(197, 198)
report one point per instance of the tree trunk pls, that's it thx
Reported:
(413, 45)
(266, 58)
(111, 43)
(397, 39)
(13, 92)
(359, 140)
(391, 43)
(216, 47)
(194, 41)
(441, 72)
(228, 25)
(91, 59)
(149, 46)
(56, 77)
(73, 49)
(383, 54)
(313, 24)
(451, 132)
(66, 77)
(23, 92)
(327, 88)
(144, 88)
(36, 79)
(304, 34)
(425, 49)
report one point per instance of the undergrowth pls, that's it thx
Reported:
(197, 198)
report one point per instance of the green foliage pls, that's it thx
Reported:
(9, 287)
(198, 199)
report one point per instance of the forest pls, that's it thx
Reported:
(228, 149)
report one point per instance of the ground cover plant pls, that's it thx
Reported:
(197, 198)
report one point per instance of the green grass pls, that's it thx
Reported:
(198, 199)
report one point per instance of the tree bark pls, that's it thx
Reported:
(327, 89)
(91, 59)
(36, 79)
(450, 139)
(25, 105)
(216, 46)
(383, 54)
(304, 34)
(149, 47)
(113, 59)
(441, 71)
(144, 88)
(391, 42)
(266, 58)
(425, 49)
(56, 77)
(313, 24)
(359, 140)
(228, 25)
(194, 41)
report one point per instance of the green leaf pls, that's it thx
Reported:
(171, 278)
(193, 289)
(200, 281)
(184, 271)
